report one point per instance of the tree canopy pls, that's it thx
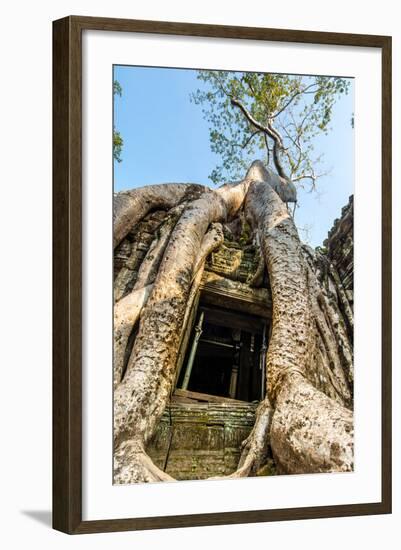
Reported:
(276, 113)
(118, 141)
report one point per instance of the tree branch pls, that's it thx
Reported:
(237, 103)
(269, 130)
(301, 92)
(267, 149)
(305, 176)
(247, 142)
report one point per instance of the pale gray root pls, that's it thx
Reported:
(284, 188)
(310, 432)
(332, 370)
(150, 265)
(126, 274)
(234, 228)
(255, 446)
(212, 240)
(126, 314)
(256, 280)
(130, 207)
(292, 320)
(138, 271)
(139, 423)
(295, 344)
(141, 397)
(296, 401)
(133, 465)
(336, 347)
(128, 309)
(344, 304)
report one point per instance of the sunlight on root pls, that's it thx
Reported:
(133, 465)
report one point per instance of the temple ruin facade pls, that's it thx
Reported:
(220, 371)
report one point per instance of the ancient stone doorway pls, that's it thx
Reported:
(223, 371)
(225, 356)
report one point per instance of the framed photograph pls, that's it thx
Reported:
(222, 274)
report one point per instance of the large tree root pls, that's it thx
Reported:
(142, 466)
(310, 432)
(126, 315)
(127, 310)
(140, 399)
(130, 207)
(150, 266)
(255, 446)
(133, 465)
(131, 462)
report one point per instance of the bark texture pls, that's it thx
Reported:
(306, 418)
(131, 206)
(308, 353)
(140, 398)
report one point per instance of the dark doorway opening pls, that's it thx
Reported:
(226, 355)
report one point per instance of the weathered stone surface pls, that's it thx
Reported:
(340, 247)
(130, 253)
(201, 440)
(233, 261)
(228, 270)
(236, 295)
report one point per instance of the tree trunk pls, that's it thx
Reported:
(129, 207)
(140, 399)
(128, 309)
(310, 431)
(306, 417)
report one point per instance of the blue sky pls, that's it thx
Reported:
(166, 139)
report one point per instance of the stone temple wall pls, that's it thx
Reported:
(340, 247)
(236, 261)
(200, 440)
